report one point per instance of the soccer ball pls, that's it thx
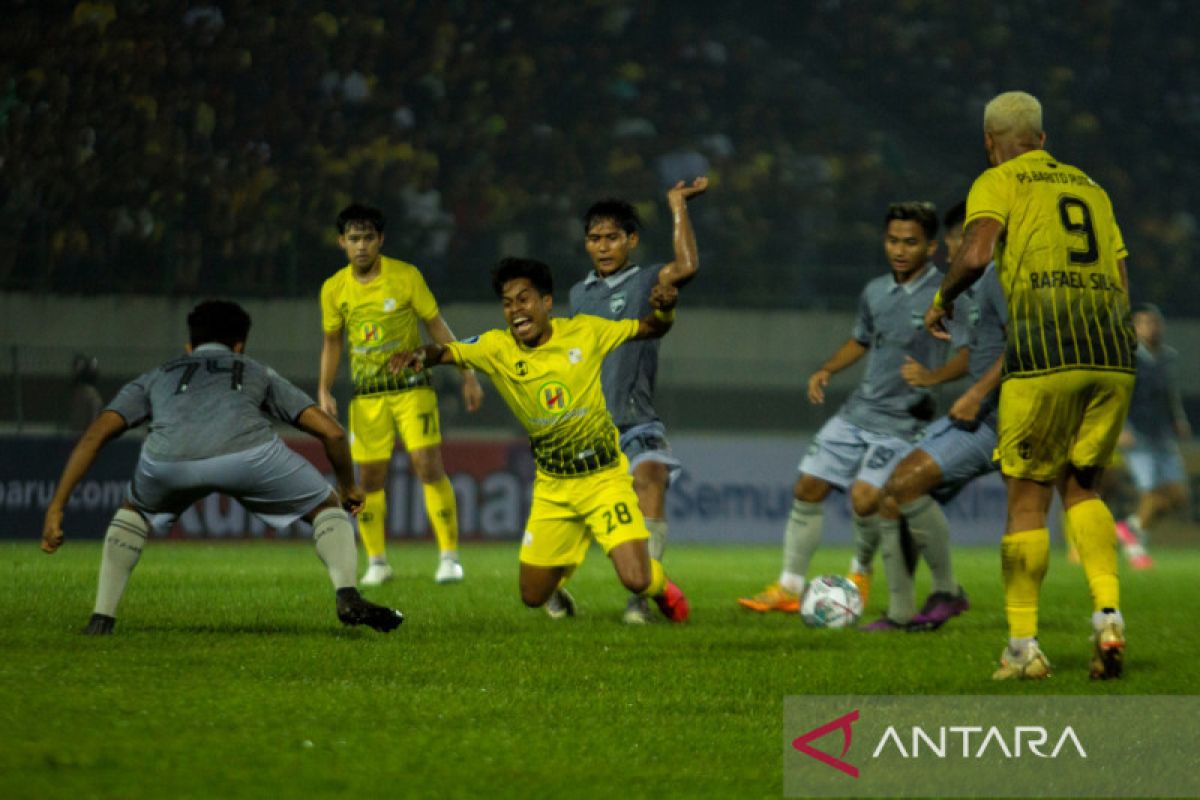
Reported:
(831, 601)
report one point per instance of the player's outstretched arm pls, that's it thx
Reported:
(663, 297)
(965, 409)
(430, 355)
(440, 332)
(850, 351)
(331, 355)
(687, 259)
(315, 421)
(104, 428)
(972, 258)
(917, 374)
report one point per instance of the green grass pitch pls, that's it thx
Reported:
(229, 675)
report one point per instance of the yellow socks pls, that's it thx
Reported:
(443, 513)
(371, 524)
(1024, 557)
(1094, 532)
(658, 579)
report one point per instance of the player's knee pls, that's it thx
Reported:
(810, 490)
(635, 579)
(427, 465)
(535, 596)
(865, 499)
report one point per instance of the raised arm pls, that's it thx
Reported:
(663, 297)
(687, 260)
(319, 423)
(850, 351)
(979, 244)
(104, 428)
(331, 356)
(440, 332)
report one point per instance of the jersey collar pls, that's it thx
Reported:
(912, 286)
(615, 279)
(207, 346)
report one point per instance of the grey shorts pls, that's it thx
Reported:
(275, 483)
(1152, 465)
(961, 455)
(844, 453)
(648, 442)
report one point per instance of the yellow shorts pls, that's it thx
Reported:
(1048, 421)
(567, 513)
(375, 418)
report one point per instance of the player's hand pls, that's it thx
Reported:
(327, 402)
(472, 392)
(966, 409)
(407, 359)
(1126, 439)
(680, 193)
(935, 322)
(352, 498)
(816, 386)
(915, 373)
(663, 296)
(52, 535)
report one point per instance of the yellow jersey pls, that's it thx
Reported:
(1058, 265)
(379, 318)
(554, 389)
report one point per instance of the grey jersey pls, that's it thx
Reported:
(987, 323)
(629, 372)
(210, 403)
(1155, 404)
(891, 323)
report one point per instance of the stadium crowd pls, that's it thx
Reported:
(205, 146)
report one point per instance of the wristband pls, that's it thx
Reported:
(937, 300)
(665, 316)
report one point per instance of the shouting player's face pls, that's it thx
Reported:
(609, 246)
(527, 312)
(361, 244)
(907, 247)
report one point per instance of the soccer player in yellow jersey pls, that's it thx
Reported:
(1068, 368)
(375, 303)
(548, 372)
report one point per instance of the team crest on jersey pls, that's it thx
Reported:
(389, 304)
(616, 303)
(371, 332)
(975, 316)
(521, 368)
(918, 320)
(554, 397)
(574, 355)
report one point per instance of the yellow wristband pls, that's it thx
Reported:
(937, 300)
(665, 316)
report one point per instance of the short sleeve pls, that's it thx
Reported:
(990, 197)
(611, 334)
(422, 299)
(284, 401)
(474, 352)
(133, 401)
(331, 317)
(864, 323)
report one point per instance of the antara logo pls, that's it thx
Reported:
(843, 724)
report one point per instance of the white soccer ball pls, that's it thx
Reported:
(831, 601)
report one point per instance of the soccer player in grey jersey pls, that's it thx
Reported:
(209, 414)
(1150, 441)
(857, 449)
(956, 449)
(617, 288)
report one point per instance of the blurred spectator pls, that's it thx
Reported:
(153, 147)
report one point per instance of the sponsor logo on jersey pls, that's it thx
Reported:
(554, 397)
(371, 332)
(521, 368)
(575, 355)
(389, 304)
